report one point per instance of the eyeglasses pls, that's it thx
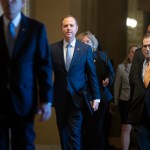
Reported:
(145, 46)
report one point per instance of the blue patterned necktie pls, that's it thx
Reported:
(10, 37)
(68, 56)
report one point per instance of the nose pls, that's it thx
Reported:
(68, 27)
(148, 50)
(147, 47)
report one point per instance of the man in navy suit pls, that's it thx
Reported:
(25, 74)
(69, 84)
(139, 103)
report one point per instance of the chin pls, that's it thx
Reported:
(147, 57)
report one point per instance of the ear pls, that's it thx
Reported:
(77, 28)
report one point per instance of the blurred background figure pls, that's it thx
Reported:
(148, 29)
(26, 85)
(122, 93)
(95, 126)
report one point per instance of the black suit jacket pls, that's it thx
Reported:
(104, 69)
(29, 65)
(81, 69)
(139, 99)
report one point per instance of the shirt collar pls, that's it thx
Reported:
(72, 43)
(146, 60)
(15, 21)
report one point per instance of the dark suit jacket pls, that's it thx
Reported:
(29, 63)
(138, 58)
(104, 69)
(81, 69)
(139, 98)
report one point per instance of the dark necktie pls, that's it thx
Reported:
(68, 56)
(11, 37)
(147, 74)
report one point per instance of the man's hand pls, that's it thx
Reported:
(95, 105)
(45, 111)
(105, 82)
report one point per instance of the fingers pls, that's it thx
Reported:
(95, 105)
(45, 112)
(39, 112)
(45, 116)
(106, 82)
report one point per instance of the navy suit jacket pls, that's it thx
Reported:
(29, 67)
(81, 69)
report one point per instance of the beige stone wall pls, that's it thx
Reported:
(51, 13)
(135, 35)
(46, 132)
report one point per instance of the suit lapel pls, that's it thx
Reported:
(75, 57)
(61, 53)
(140, 73)
(3, 45)
(22, 35)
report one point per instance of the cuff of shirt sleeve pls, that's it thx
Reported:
(97, 100)
(50, 104)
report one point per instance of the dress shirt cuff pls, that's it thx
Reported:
(49, 103)
(97, 100)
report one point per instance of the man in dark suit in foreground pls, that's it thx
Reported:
(24, 63)
(139, 103)
(69, 82)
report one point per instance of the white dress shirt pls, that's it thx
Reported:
(16, 23)
(72, 48)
